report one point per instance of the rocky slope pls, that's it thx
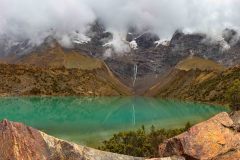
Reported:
(20, 142)
(215, 139)
(21, 80)
(51, 54)
(156, 59)
(193, 62)
(197, 84)
(148, 56)
(53, 70)
(149, 65)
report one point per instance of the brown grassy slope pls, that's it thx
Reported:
(21, 80)
(197, 85)
(56, 56)
(194, 62)
(53, 66)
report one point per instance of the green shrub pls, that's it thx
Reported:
(233, 95)
(140, 143)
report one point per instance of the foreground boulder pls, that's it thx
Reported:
(215, 139)
(19, 142)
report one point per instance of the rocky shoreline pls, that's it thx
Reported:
(215, 139)
(20, 142)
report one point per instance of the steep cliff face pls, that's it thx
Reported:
(215, 139)
(20, 142)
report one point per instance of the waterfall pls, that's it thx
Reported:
(133, 115)
(135, 71)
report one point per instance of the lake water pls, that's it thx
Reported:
(89, 121)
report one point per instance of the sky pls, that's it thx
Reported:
(34, 19)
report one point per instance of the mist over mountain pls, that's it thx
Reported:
(71, 20)
(139, 40)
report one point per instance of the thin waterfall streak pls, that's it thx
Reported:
(135, 72)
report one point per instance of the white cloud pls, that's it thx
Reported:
(34, 19)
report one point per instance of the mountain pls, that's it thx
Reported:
(155, 60)
(151, 57)
(52, 70)
(148, 58)
(10, 46)
(197, 84)
(53, 55)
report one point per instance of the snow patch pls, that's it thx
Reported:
(107, 53)
(109, 44)
(163, 42)
(133, 44)
(224, 45)
(81, 39)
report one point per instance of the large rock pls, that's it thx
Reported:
(212, 139)
(147, 40)
(20, 142)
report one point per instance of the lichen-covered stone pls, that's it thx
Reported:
(212, 139)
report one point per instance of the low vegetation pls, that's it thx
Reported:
(140, 143)
(27, 80)
(202, 86)
(233, 95)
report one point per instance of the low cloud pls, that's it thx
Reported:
(35, 20)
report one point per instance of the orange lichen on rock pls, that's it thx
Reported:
(214, 138)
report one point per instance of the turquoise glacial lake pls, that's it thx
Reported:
(89, 121)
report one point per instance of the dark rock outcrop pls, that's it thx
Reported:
(229, 35)
(147, 40)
